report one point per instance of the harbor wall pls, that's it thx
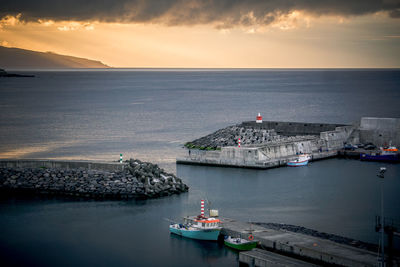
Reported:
(247, 157)
(337, 138)
(293, 128)
(62, 164)
(274, 154)
(380, 131)
(286, 140)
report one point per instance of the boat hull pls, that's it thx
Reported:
(206, 234)
(297, 164)
(388, 158)
(243, 246)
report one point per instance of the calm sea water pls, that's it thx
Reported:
(149, 114)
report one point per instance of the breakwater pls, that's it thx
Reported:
(262, 146)
(270, 144)
(132, 179)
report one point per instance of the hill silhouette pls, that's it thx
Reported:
(16, 58)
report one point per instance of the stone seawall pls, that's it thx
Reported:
(380, 131)
(243, 158)
(292, 128)
(135, 179)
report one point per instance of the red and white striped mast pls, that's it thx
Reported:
(239, 142)
(202, 208)
(259, 118)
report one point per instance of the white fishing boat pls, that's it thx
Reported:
(198, 227)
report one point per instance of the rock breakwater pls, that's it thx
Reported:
(229, 137)
(138, 180)
(248, 135)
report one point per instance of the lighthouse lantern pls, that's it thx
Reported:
(259, 118)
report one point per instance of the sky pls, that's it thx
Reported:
(210, 33)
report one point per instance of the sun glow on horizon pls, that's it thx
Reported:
(292, 40)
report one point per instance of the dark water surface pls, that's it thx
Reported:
(149, 115)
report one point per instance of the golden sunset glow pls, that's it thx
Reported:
(291, 40)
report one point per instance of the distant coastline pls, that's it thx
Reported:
(16, 58)
(3, 73)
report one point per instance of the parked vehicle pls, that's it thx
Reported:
(349, 147)
(369, 147)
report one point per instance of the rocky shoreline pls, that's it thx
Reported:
(138, 180)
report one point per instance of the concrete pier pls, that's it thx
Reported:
(263, 258)
(301, 246)
(204, 158)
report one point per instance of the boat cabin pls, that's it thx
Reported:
(202, 222)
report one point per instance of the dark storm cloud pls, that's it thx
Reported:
(176, 12)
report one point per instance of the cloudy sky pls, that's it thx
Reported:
(210, 33)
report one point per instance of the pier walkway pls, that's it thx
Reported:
(300, 245)
(260, 258)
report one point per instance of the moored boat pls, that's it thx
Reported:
(301, 160)
(240, 243)
(389, 154)
(198, 227)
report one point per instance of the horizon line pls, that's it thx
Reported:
(200, 68)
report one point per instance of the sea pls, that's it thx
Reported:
(148, 114)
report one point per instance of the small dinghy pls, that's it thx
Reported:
(240, 243)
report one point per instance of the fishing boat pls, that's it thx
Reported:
(198, 227)
(301, 160)
(389, 154)
(240, 243)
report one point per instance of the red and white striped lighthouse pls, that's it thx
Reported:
(202, 208)
(259, 118)
(239, 142)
